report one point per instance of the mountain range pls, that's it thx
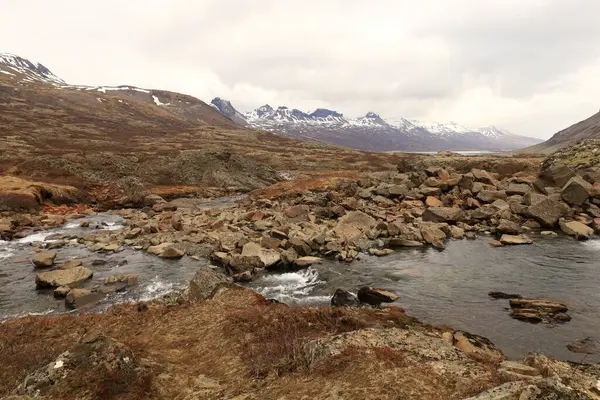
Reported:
(371, 131)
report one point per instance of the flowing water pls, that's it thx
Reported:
(450, 288)
(440, 287)
(18, 294)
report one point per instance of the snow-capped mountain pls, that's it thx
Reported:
(371, 131)
(27, 71)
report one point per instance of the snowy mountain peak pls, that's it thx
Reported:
(26, 71)
(325, 113)
(494, 132)
(373, 118)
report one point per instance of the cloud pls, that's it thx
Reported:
(527, 65)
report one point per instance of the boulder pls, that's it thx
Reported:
(547, 212)
(44, 259)
(165, 250)
(77, 298)
(577, 229)
(489, 196)
(63, 277)
(171, 253)
(61, 292)
(344, 298)
(533, 198)
(456, 232)
(400, 242)
(432, 234)
(380, 252)
(442, 214)
(268, 257)
(558, 175)
(353, 224)
(204, 284)
(515, 239)
(238, 264)
(576, 191)
(153, 199)
(477, 347)
(132, 234)
(518, 188)
(375, 296)
(130, 279)
(510, 227)
(483, 176)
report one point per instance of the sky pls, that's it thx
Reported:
(529, 66)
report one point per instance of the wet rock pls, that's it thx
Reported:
(380, 252)
(63, 277)
(204, 284)
(77, 298)
(588, 345)
(510, 227)
(538, 310)
(245, 276)
(171, 253)
(495, 243)
(375, 296)
(300, 246)
(456, 232)
(515, 239)
(399, 242)
(130, 279)
(44, 259)
(61, 292)
(70, 264)
(442, 214)
(344, 298)
(502, 295)
(432, 234)
(165, 250)
(576, 229)
(238, 264)
(576, 191)
(477, 347)
(307, 261)
(84, 224)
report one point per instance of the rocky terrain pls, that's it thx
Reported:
(371, 132)
(586, 129)
(140, 154)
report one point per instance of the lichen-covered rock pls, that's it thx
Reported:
(63, 277)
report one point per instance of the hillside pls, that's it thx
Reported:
(371, 131)
(82, 136)
(586, 129)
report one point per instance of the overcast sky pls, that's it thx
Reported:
(531, 66)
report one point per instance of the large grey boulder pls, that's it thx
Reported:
(63, 277)
(518, 188)
(576, 191)
(204, 284)
(547, 212)
(268, 257)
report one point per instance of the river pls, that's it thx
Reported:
(446, 287)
